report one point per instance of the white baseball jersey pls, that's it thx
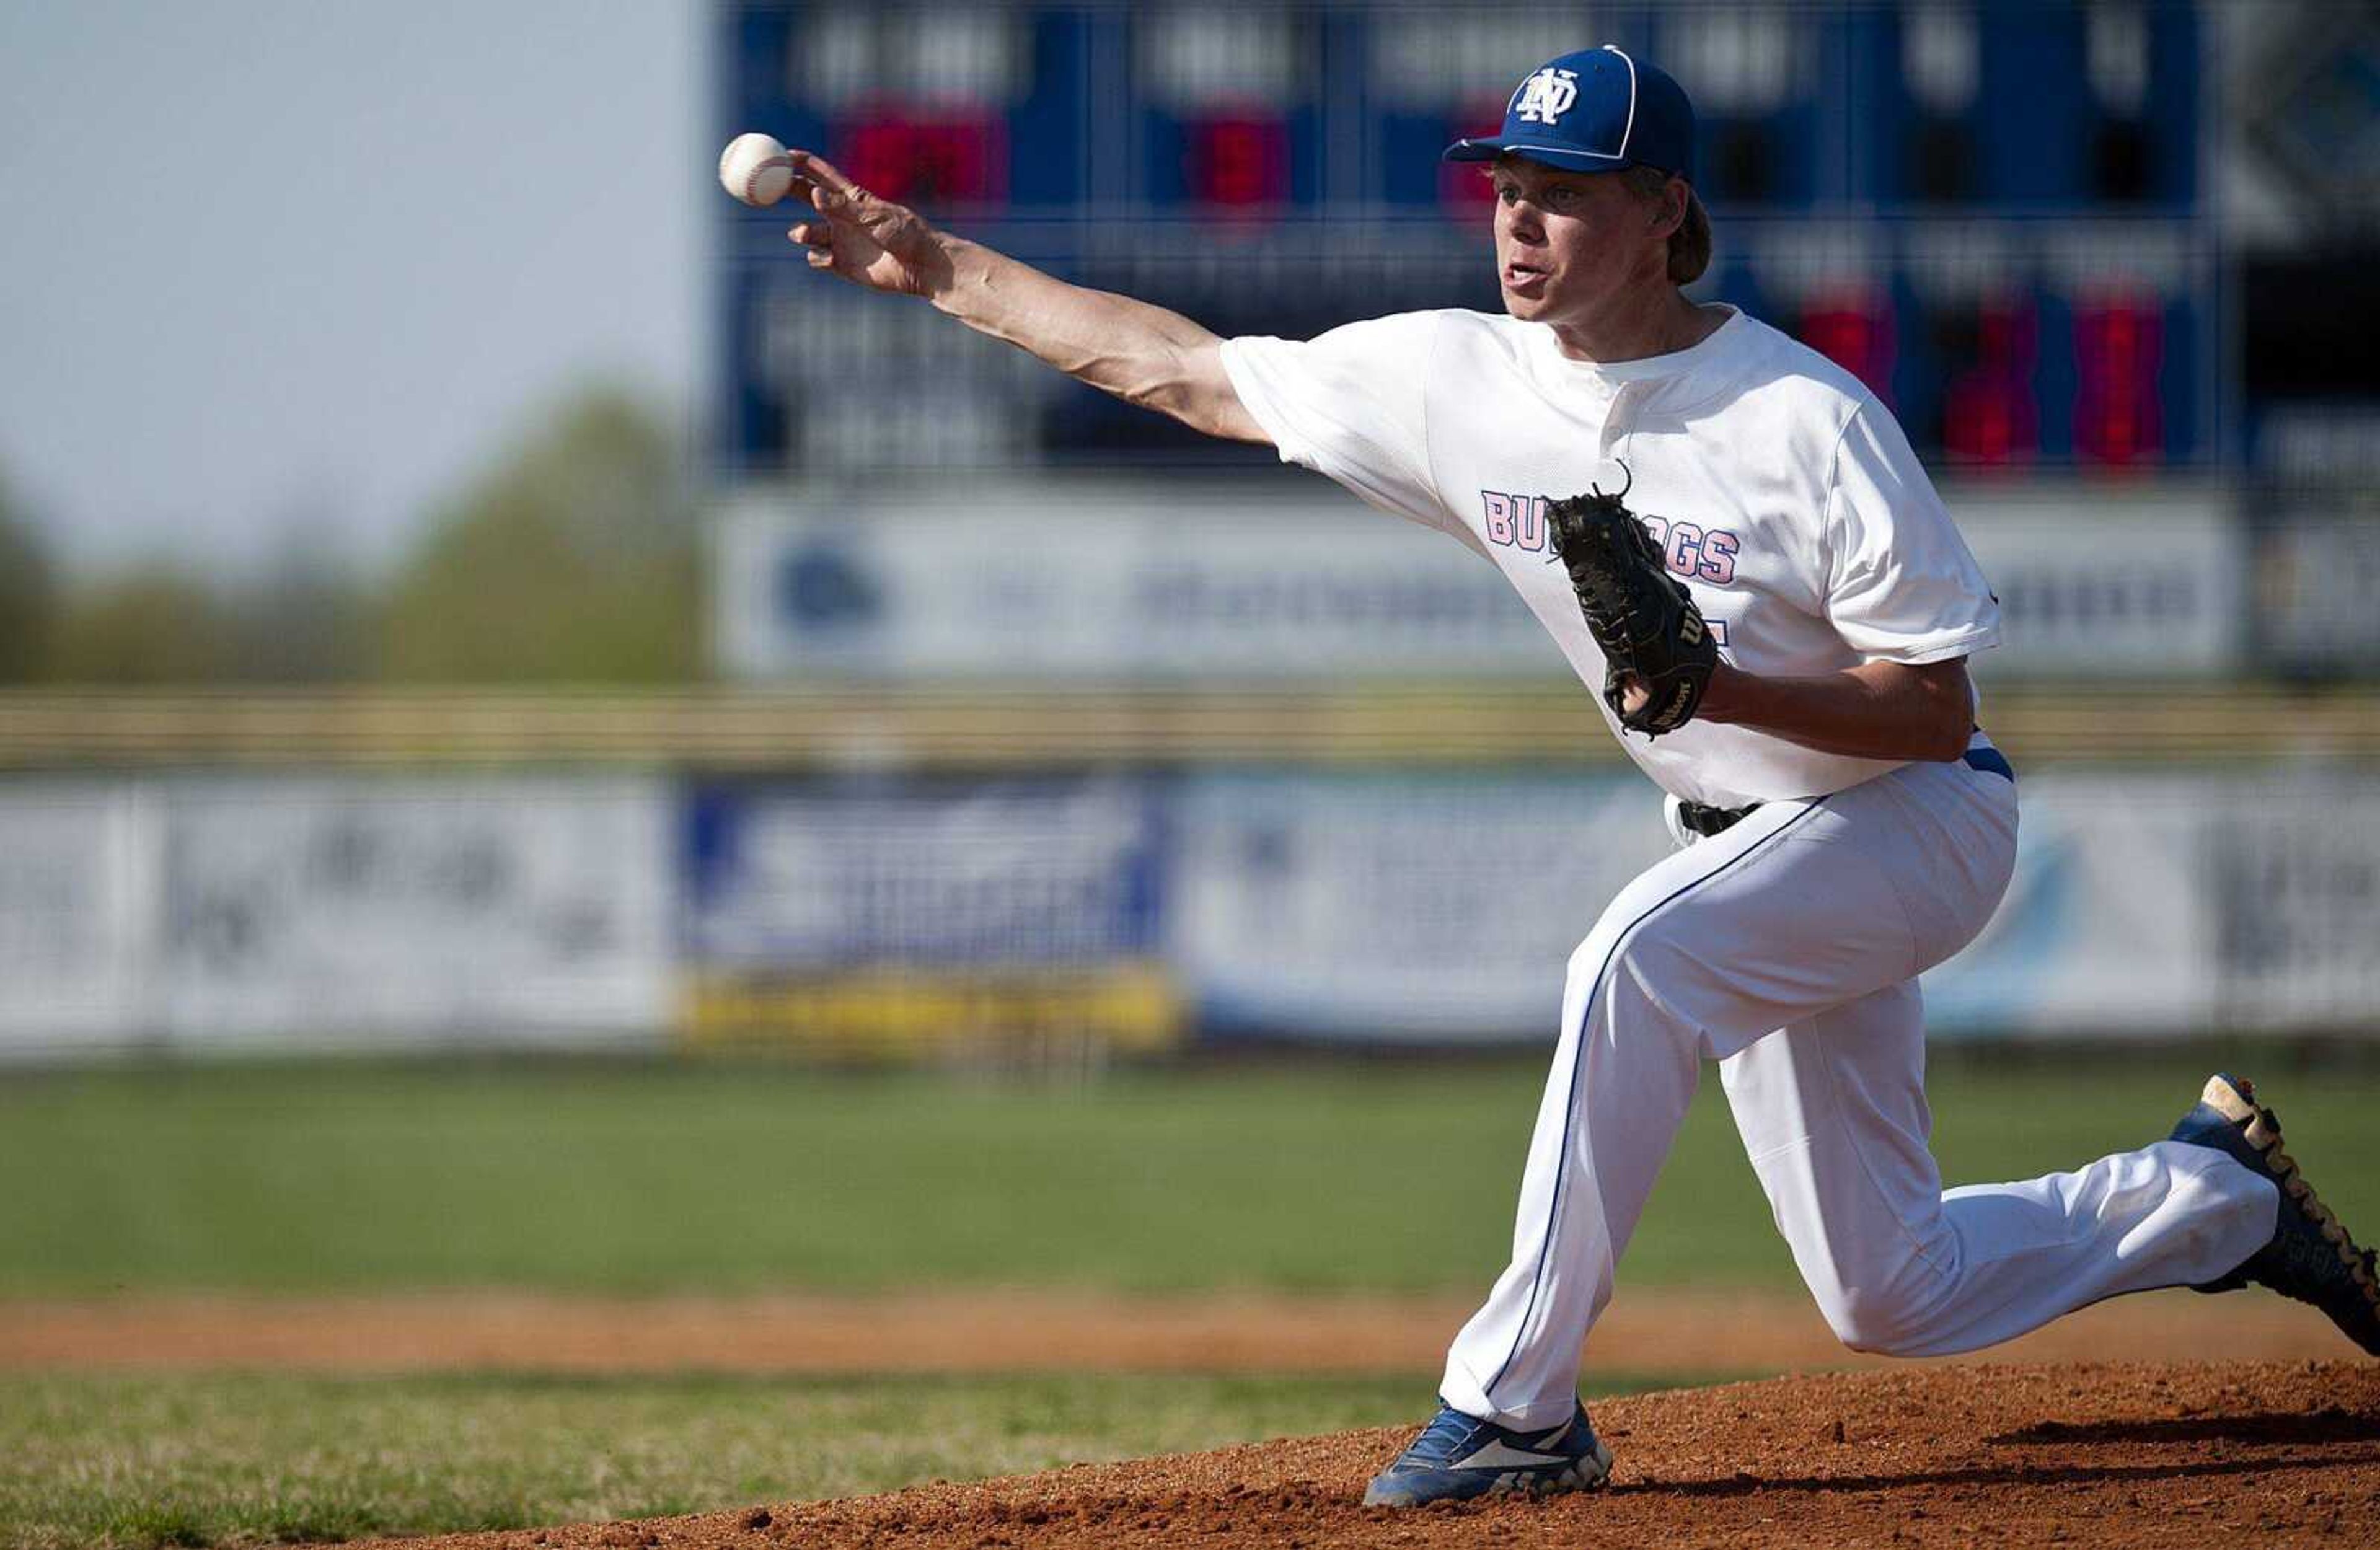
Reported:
(1782, 492)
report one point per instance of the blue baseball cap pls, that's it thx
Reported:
(1598, 110)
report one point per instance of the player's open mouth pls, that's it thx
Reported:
(1519, 276)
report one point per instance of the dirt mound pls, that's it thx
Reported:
(2088, 1455)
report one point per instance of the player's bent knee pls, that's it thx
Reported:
(1878, 1324)
(1873, 1340)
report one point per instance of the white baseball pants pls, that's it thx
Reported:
(1788, 948)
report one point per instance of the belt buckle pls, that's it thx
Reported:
(1707, 821)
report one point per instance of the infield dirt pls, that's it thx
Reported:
(2266, 1453)
(1667, 1330)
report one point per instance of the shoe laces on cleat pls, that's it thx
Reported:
(2263, 1131)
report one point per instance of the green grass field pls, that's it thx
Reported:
(250, 1459)
(628, 1178)
(649, 1178)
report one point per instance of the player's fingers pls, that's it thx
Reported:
(811, 167)
(820, 258)
(854, 206)
(811, 236)
(838, 199)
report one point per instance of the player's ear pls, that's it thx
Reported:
(1668, 212)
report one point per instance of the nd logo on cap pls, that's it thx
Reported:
(1545, 96)
(1598, 110)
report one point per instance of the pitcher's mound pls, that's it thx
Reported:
(2184, 1456)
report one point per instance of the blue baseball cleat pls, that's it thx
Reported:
(1458, 1457)
(2311, 1257)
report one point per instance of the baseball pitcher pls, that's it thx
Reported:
(1729, 538)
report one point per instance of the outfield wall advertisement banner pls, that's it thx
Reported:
(1418, 911)
(2153, 586)
(2294, 882)
(1066, 580)
(1274, 578)
(1128, 909)
(904, 915)
(363, 911)
(2108, 926)
(74, 928)
(1397, 909)
(871, 873)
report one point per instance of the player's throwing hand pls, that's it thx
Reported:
(866, 240)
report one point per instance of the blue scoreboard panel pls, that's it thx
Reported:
(1992, 212)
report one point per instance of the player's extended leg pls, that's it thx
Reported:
(1796, 910)
(1833, 1115)
(1624, 1071)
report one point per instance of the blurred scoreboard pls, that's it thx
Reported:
(1992, 211)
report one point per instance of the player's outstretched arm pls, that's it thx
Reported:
(1142, 353)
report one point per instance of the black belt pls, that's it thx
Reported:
(1706, 820)
(1701, 817)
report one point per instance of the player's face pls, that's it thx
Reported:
(1566, 242)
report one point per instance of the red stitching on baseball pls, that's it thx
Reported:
(784, 161)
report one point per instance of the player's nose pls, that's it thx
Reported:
(1523, 224)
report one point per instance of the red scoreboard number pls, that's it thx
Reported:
(1852, 325)
(1464, 188)
(958, 158)
(2119, 353)
(1237, 161)
(1989, 415)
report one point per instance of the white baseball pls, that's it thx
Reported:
(756, 169)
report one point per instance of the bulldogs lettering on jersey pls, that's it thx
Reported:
(1690, 551)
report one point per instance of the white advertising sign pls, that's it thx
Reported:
(2148, 582)
(1418, 910)
(1164, 580)
(420, 910)
(1110, 580)
(2110, 923)
(75, 897)
(2296, 879)
(1398, 909)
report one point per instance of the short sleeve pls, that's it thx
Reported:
(1901, 583)
(1351, 405)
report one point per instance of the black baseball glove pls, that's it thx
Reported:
(1643, 617)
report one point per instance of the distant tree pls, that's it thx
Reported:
(305, 620)
(29, 594)
(575, 561)
(152, 625)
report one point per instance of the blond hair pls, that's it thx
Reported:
(1690, 245)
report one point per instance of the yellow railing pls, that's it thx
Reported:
(964, 727)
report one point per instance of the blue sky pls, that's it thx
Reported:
(271, 265)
